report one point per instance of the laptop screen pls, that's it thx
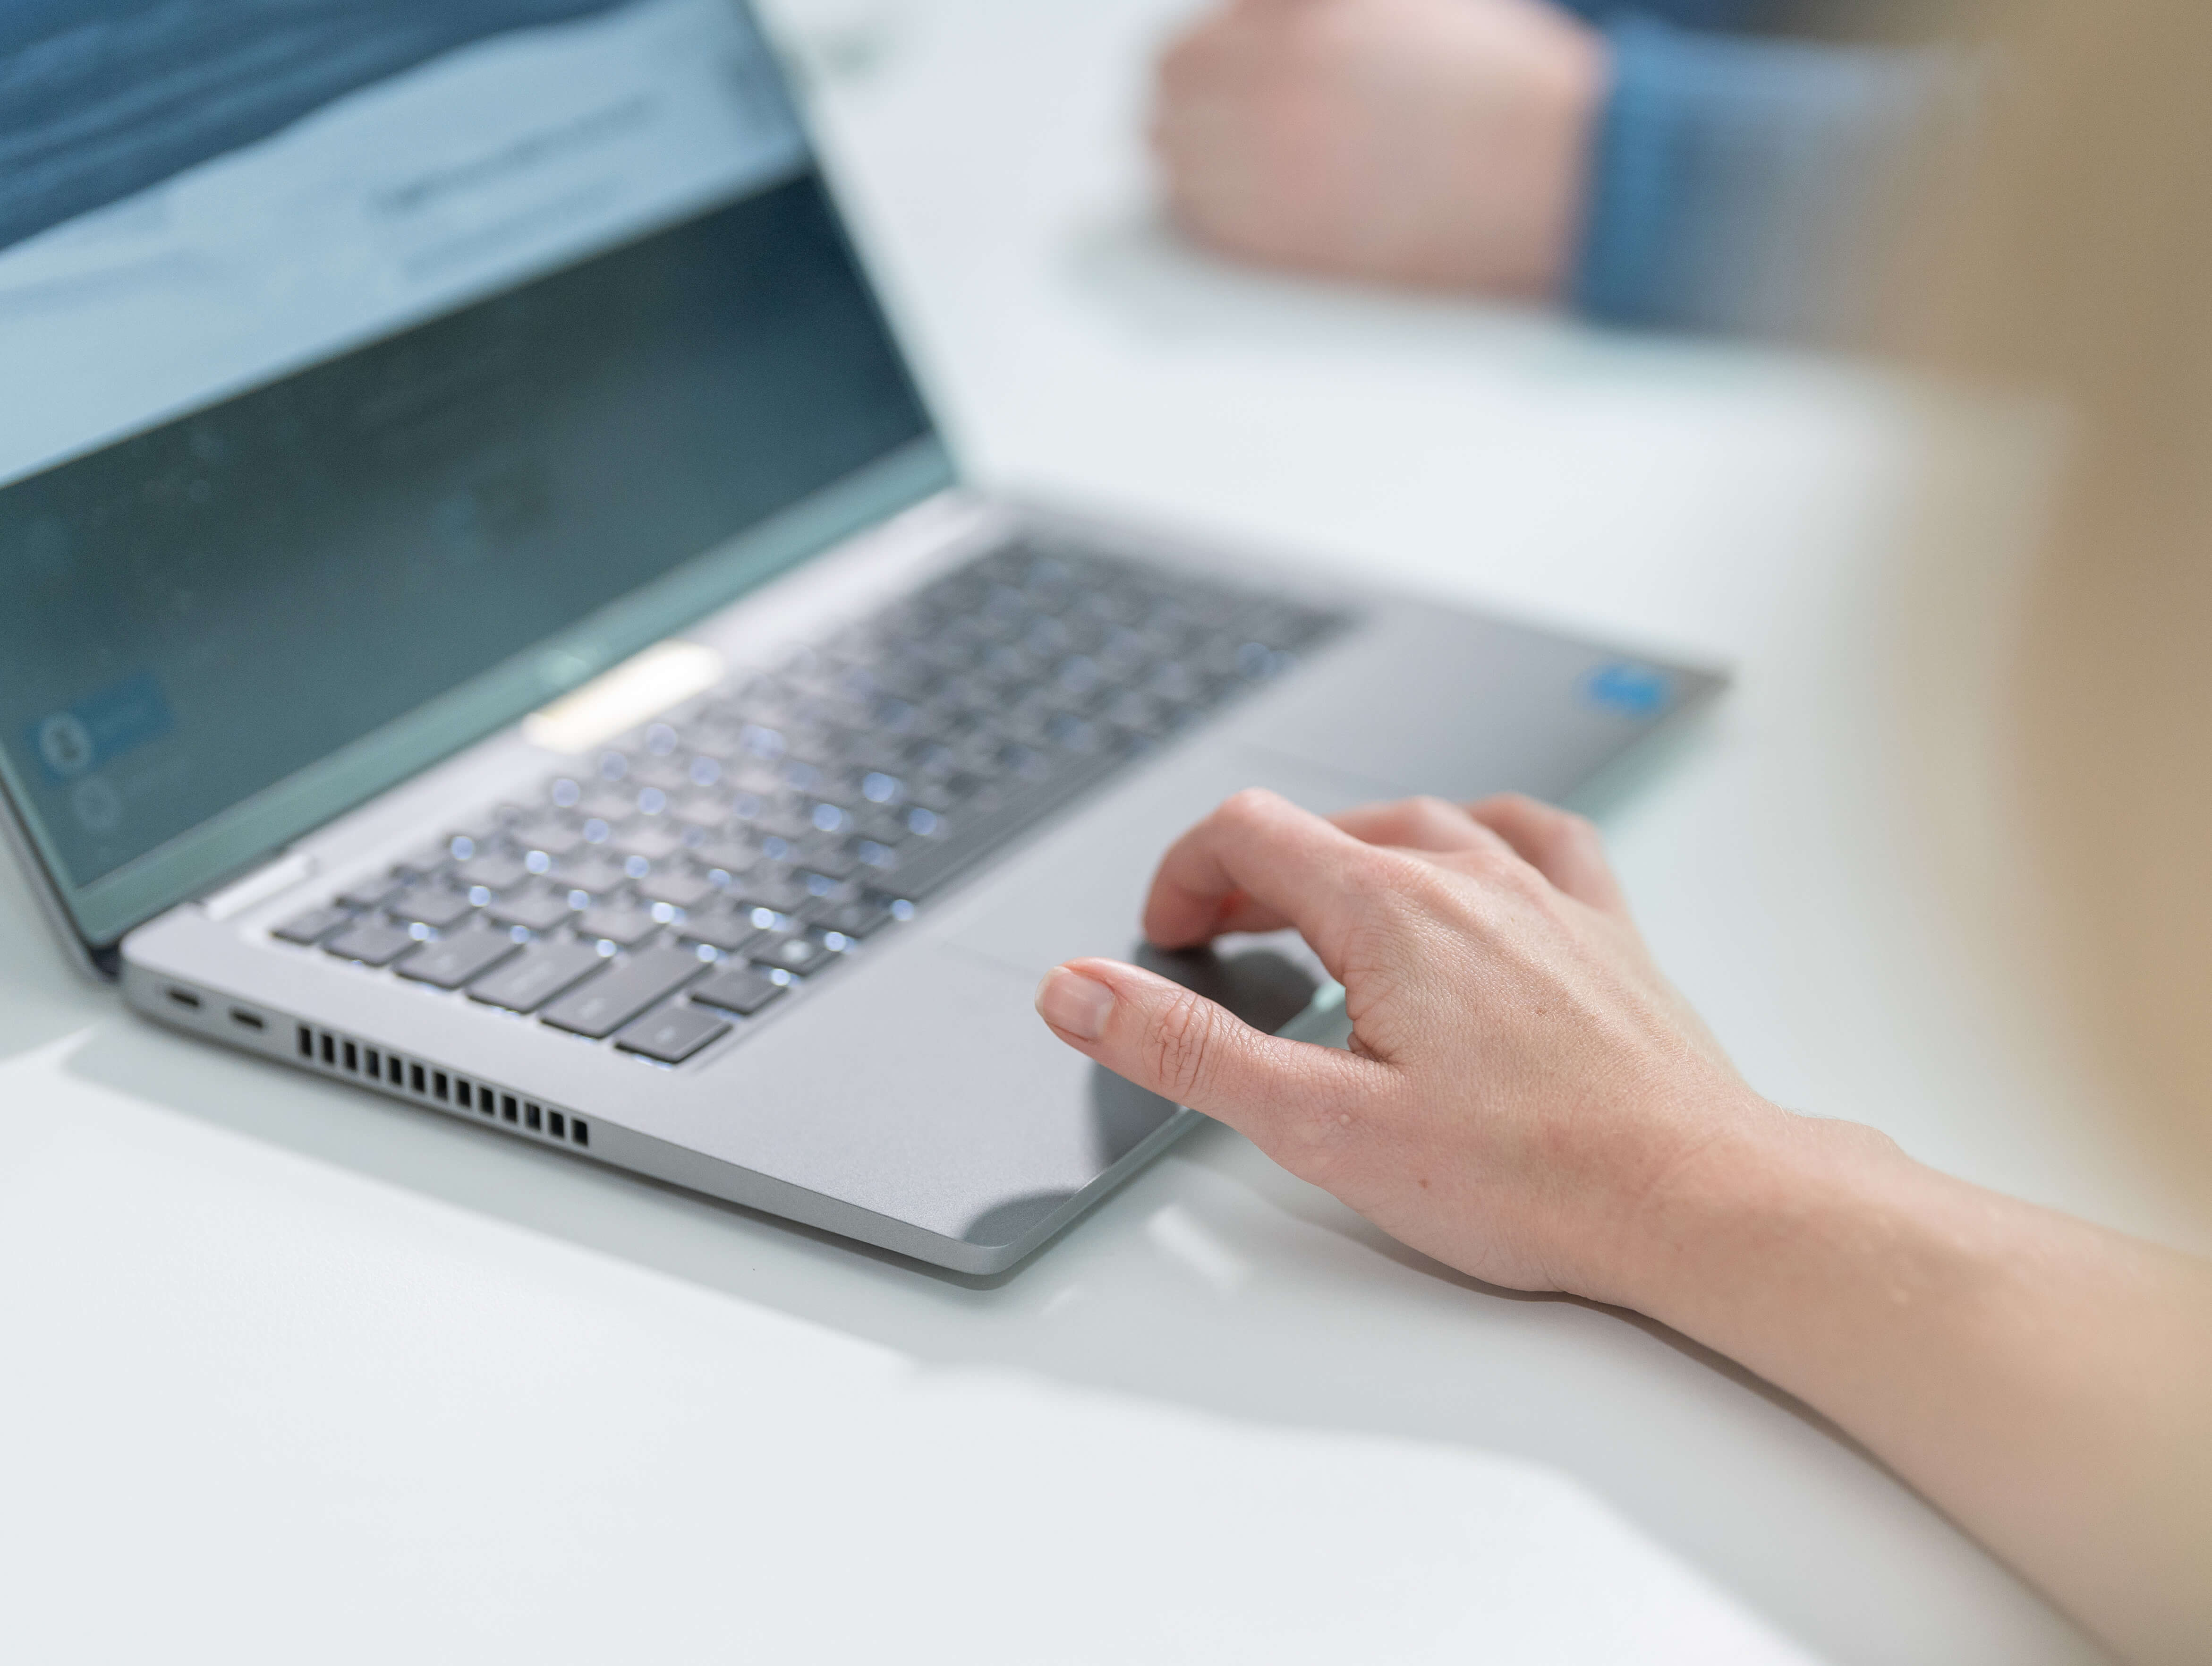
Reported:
(371, 370)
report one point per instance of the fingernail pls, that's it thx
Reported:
(1073, 1003)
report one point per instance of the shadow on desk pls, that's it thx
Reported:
(1217, 1282)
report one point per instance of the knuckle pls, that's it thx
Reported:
(1376, 881)
(1579, 830)
(1417, 883)
(1184, 1037)
(1391, 900)
(1433, 812)
(1533, 812)
(1503, 877)
(1247, 808)
(1493, 862)
(1517, 879)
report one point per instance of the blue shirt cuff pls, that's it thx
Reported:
(1745, 186)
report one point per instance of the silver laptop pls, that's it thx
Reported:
(490, 619)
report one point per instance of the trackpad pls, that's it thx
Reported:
(1080, 890)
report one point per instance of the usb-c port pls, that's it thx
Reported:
(247, 1020)
(186, 997)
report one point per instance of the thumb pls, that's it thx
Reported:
(1178, 1045)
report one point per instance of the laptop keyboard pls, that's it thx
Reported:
(697, 873)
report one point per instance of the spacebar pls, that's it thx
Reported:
(937, 866)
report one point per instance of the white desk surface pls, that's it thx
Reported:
(292, 1373)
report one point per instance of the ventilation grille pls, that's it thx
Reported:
(338, 1055)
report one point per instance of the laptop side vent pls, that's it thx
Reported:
(330, 1054)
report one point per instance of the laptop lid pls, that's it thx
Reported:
(372, 370)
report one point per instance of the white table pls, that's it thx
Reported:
(293, 1373)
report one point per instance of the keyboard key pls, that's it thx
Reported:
(779, 822)
(540, 972)
(885, 827)
(654, 840)
(370, 894)
(835, 863)
(792, 954)
(312, 927)
(553, 837)
(372, 943)
(590, 874)
(730, 855)
(479, 836)
(431, 858)
(664, 774)
(858, 919)
(618, 994)
(738, 989)
(701, 810)
(783, 893)
(1140, 714)
(623, 927)
(432, 906)
(673, 1035)
(822, 891)
(494, 873)
(533, 910)
(678, 889)
(732, 933)
(614, 808)
(452, 961)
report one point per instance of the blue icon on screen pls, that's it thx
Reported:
(97, 806)
(101, 728)
(1631, 690)
(66, 746)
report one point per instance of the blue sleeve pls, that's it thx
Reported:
(1742, 185)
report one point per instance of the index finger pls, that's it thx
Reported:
(1293, 864)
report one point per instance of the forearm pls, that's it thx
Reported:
(2043, 1381)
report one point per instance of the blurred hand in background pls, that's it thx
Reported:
(1441, 142)
(1688, 164)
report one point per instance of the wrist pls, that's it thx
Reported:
(1556, 142)
(1529, 84)
(1579, 86)
(1720, 1232)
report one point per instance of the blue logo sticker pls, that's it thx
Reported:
(1631, 690)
